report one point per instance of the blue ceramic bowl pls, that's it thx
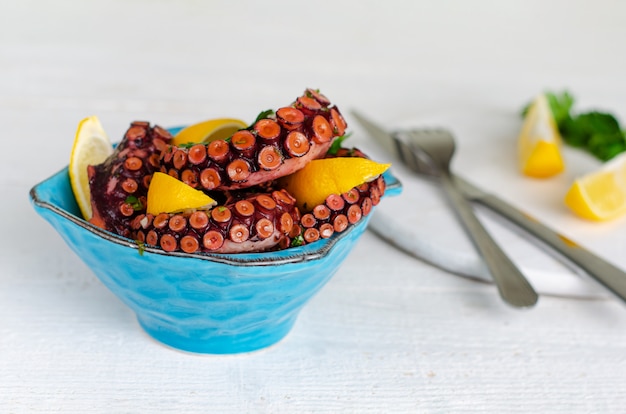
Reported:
(208, 303)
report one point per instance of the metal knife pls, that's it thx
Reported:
(607, 274)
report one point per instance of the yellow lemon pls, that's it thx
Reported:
(320, 178)
(539, 142)
(208, 131)
(91, 147)
(166, 194)
(600, 195)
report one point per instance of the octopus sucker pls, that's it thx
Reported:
(311, 235)
(218, 151)
(197, 154)
(308, 221)
(340, 223)
(335, 202)
(354, 213)
(326, 230)
(319, 97)
(244, 143)
(212, 240)
(296, 144)
(289, 117)
(267, 129)
(321, 212)
(189, 243)
(210, 179)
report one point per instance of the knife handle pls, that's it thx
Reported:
(610, 276)
(511, 283)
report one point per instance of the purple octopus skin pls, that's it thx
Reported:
(119, 185)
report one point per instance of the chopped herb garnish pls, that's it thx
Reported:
(135, 203)
(187, 145)
(262, 115)
(336, 145)
(297, 241)
(141, 247)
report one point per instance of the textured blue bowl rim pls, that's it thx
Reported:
(304, 253)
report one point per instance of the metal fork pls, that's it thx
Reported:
(430, 152)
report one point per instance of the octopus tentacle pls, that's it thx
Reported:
(250, 222)
(272, 147)
(120, 184)
(339, 211)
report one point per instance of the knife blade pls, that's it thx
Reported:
(604, 272)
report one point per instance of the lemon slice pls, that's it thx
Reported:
(208, 131)
(600, 195)
(166, 194)
(539, 142)
(320, 178)
(91, 147)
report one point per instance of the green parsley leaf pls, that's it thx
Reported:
(607, 146)
(134, 202)
(297, 241)
(579, 130)
(561, 105)
(141, 247)
(334, 147)
(187, 145)
(265, 114)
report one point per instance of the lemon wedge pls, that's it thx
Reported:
(91, 147)
(539, 142)
(601, 194)
(166, 194)
(320, 178)
(207, 131)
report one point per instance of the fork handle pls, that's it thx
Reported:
(512, 285)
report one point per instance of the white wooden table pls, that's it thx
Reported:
(389, 333)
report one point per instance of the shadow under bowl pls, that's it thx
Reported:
(205, 303)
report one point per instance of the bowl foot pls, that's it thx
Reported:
(217, 342)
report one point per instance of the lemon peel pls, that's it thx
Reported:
(539, 142)
(601, 194)
(318, 179)
(207, 131)
(166, 194)
(91, 147)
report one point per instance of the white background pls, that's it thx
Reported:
(389, 333)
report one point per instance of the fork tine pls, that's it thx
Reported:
(425, 143)
(404, 151)
(412, 157)
(437, 143)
